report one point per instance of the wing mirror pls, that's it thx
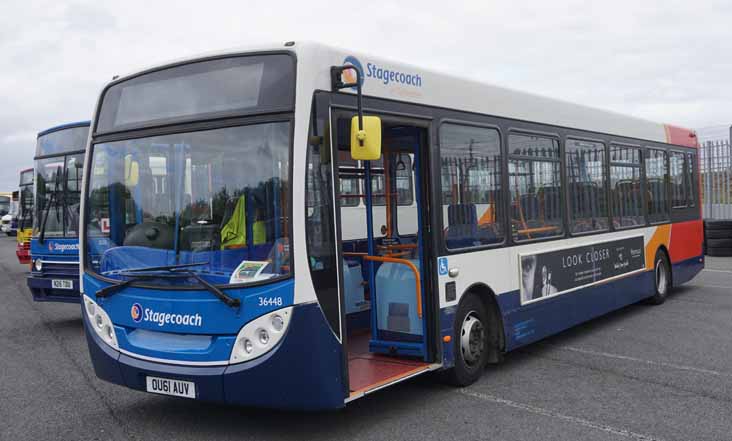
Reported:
(366, 140)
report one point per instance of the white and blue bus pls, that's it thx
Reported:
(54, 243)
(299, 226)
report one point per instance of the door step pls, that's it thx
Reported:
(370, 372)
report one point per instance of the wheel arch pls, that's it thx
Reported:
(487, 296)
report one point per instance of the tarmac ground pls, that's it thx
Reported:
(641, 373)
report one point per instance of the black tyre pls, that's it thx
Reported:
(661, 278)
(470, 344)
(718, 224)
(719, 243)
(718, 234)
(719, 251)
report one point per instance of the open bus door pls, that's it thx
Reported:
(384, 279)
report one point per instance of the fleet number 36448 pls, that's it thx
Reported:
(270, 301)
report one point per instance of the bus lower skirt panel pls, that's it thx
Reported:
(533, 322)
(304, 372)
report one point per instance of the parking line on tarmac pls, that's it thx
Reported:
(717, 271)
(644, 361)
(559, 416)
(712, 286)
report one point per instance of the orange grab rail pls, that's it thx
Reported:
(546, 229)
(398, 246)
(411, 266)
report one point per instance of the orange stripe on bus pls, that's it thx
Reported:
(661, 236)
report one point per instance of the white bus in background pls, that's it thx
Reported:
(8, 207)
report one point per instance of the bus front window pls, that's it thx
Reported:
(216, 197)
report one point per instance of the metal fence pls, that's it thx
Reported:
(715, 162)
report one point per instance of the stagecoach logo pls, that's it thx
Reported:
(349, 76)
(139, 314)
(384, 75)
(136, 312)
(62, 247)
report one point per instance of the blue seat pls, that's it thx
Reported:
(353, 286)
(397, 299)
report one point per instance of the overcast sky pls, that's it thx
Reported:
(664, 60)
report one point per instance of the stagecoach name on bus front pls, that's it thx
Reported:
(558, 271)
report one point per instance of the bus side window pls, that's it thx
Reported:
(677, 179)
(656, 178)
(471, 186)
(534, 187)
(587, 181)
(625, 186)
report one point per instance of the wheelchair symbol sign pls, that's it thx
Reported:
(442, 266)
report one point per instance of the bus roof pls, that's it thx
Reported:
(399, 81)
(63, 126)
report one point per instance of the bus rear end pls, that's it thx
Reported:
(54, 244)
(187, 235)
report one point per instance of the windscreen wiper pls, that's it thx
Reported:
(112, 289)
(174, 274)
(164, 268)
(213, 289)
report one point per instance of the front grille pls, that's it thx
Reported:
(60, 269)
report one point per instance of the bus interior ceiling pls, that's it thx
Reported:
(382, 269)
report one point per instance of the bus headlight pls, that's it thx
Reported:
(260, 335)
(100, 322)
(38, 265)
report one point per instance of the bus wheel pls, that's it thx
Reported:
(662, 279)
(470, 344)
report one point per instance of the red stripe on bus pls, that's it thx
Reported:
(686, 240)
(680, 136)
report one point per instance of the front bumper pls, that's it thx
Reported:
(41, 286)
(303, 372)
